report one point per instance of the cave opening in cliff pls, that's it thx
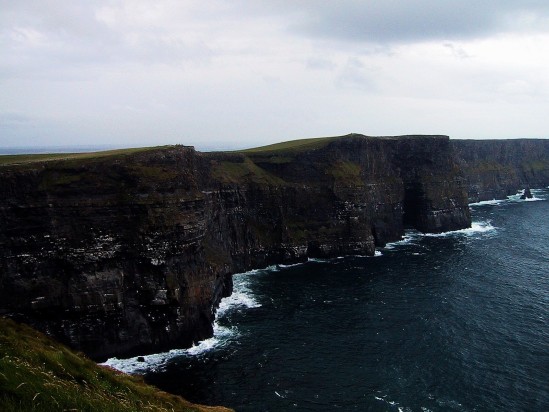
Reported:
(411, 207)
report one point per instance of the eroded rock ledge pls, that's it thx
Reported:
(131, 253)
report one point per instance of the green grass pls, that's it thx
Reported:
(38, 374)
(245, 171)
(294, 145)
(346, 172)
(23, 159)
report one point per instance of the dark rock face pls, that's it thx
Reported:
(107, 255)
(132, 254)
(495, 169)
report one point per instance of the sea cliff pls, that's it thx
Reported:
(495, 169)
(131, 252)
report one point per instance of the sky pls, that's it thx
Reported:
(243, 73)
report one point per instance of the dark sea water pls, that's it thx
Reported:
(454, 322)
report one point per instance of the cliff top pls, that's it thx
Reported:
(319, 142)
(39, 374)
(275, 164)
(299, 145)
(26, 159)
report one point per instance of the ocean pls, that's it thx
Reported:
(451, 322)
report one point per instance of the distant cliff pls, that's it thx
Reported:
(131, 252)
(495, 169)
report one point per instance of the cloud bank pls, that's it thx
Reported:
(223, 74)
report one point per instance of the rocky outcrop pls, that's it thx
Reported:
(495, 169)
(131, 253)
(526, 194)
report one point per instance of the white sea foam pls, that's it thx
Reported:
(291, 265)
(392, 403)
(378, 253)
(316, 260)
(272, 268)
(409, 237)
(516, 197)
(222, 336)
(241, 297)
(150, 362)
(488, 202)
(538, 194)
(476, 228)
(413, 236)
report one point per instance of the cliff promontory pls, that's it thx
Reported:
(130, 252)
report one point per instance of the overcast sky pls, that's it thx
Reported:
(240, 73)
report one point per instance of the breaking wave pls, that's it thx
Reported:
(538, 194)
(413, 236)
(241, 297)
(476, 228)
(142, 364)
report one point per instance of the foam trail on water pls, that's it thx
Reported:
(150, 362)
(413, 236)
(222, 335)
(409, 237)
(476, 228)
(488, 202)
(291, 265)
(317, 260)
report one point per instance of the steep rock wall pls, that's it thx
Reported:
(495, 169)
(106, 255)
(131, 254)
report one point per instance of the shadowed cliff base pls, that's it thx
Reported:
(130, 252)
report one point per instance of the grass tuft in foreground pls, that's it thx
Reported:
(39, 374)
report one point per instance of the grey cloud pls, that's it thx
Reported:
(56, 39)
(355, 75)
(145, 72)
(320, 63)
(395, 21)
(457, 51)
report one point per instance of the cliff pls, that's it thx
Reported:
(131, 252)
(495, 169)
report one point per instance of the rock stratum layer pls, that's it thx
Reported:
(131, 252)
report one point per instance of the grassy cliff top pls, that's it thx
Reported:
(293, 145)
(25, 159)
(39, 374)
(319, 142)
